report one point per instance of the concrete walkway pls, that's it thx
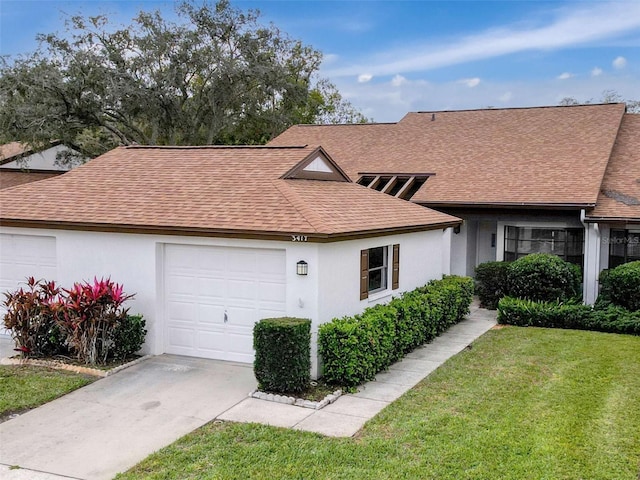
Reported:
(350, 412)
(109, 426)
(112, 424)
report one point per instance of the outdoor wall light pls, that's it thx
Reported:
(302, 267)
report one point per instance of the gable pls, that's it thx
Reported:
(317, 166)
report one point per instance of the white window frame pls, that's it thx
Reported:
(384, 269)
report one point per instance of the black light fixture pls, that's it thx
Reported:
(302, 267)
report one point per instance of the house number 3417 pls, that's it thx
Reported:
(298, 238)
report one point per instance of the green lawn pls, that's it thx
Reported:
(24, 387)
(523, 403)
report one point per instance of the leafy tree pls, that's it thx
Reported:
(215, 76)
(608, 96)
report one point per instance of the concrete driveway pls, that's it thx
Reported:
(112, 424)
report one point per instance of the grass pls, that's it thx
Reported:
(523, 403)
(26, 387)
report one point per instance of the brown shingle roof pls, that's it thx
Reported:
(209, 190)
(13, 149)
(620, 193)
(12, 178)
(521, 156)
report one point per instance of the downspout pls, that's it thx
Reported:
(591, 268)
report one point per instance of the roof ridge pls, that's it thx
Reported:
(213, 147)
(532, 107)
(312, 218)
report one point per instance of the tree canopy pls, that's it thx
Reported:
(215, 75)
(608, 96)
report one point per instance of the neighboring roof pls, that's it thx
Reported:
(12, 178)
(9, 151)
(620, 193)
(211, 191)
(542, 156)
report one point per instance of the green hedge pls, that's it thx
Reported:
(491, 283)
(283, 354)
(556, 314)
(354, 349)
(621, 286)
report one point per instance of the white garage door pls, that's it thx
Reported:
(214, 295)
(23, 256)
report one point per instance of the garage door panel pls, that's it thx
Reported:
(23, 256)
(210, 315)
(243, 289)
(211, 342)
(247, 284)
(183, 285)
(182, 337)
(211, 287)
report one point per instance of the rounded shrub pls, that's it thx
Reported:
(491, 283)
(283, 354)
(621, 286)
(543, 277)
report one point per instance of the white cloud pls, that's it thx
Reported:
(398, 80)
(364, 77)
(619, 62)
(596, 71)
(385, 104)
(470, 82)
(584, 24)
(565, 76)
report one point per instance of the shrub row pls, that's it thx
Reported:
(283, 354)
(354, 349)
(556, 314)
(539, 276)
(88, 321)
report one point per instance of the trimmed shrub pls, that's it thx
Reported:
(283, 354)
(354, 349)
(31, 318)
(491, 283)
(528, 313)
(543, 277)
(128, 336)
(412, 321)
(621, 286)
(555, 314)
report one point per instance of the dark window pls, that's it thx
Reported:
(377, 269)
(624, 246)
(567, 243)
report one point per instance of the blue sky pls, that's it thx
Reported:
(391, 57)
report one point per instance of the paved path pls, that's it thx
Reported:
(110, 425)
(350, 412)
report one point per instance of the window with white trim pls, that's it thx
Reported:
(374, 270)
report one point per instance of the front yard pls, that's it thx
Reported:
(25, 387)
(522, 403)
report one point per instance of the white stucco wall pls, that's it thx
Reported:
(331, 288)
(459, 250)
(339, 282)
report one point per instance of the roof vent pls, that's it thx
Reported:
(433, 117)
